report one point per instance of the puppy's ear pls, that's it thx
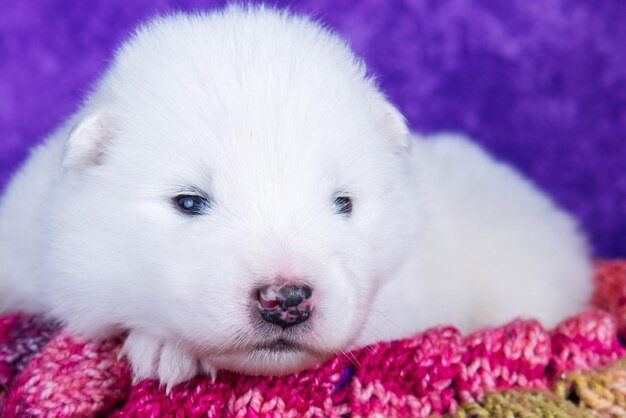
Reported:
(86, 142)
(397, 124)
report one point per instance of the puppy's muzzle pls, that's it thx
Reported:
(286, 305)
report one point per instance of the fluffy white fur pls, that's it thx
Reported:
(271, 115)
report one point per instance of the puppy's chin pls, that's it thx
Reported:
(273, 359)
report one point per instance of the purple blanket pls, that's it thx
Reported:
(541, 84)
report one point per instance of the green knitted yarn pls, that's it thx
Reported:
(522, 404)
(591, 394)
(603, 391)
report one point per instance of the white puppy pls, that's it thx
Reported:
(238, 194)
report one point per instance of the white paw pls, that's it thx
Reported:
(152, 358)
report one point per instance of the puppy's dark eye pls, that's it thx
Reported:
(343, 205)
(192, 204)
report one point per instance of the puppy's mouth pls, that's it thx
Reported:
(273, 357)
(280, 345)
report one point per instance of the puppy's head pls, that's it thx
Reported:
(235, 183)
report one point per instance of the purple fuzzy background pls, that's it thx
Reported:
(542, 84)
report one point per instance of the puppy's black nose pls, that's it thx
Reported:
(285, 305)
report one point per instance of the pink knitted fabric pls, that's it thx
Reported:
(432, 373)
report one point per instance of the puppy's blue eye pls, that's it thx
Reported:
(343, 205)
(192, 204)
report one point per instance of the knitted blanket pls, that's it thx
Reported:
(519, 369)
